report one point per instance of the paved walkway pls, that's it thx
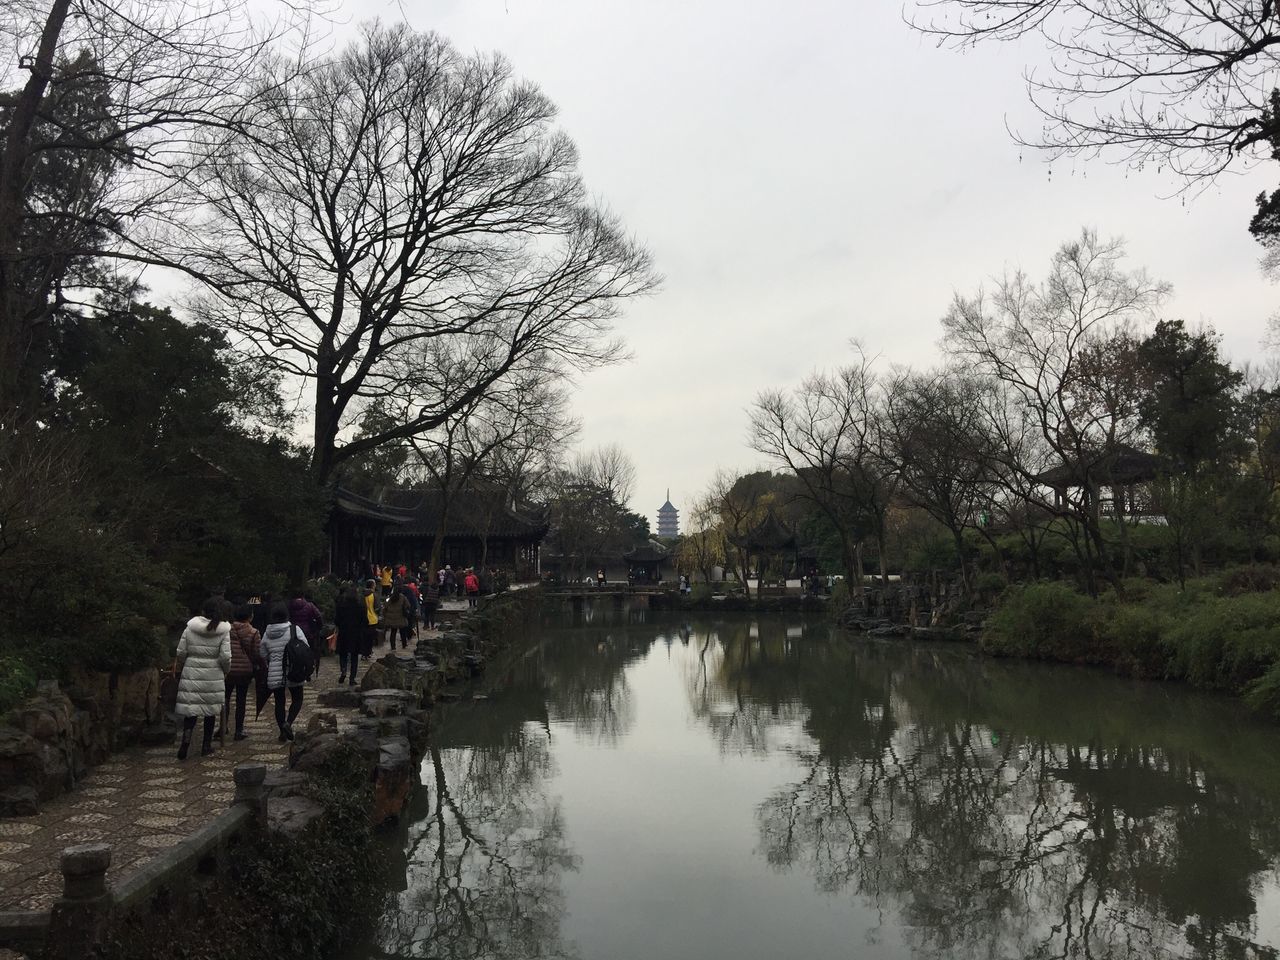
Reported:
(140, 801)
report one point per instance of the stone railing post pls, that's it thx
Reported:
(77, 919)
(251, 791)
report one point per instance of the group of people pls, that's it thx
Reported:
(228, 646)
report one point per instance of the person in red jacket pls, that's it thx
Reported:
(471, 583)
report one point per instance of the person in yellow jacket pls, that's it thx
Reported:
(385, 579)
(371, 618)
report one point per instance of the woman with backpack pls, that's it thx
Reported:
(245, 659)
(204, 657)
(471, 583)
(284, 648)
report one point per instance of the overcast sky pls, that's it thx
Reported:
(809, 172)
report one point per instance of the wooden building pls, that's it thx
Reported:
(1118, 482)
(482, 528)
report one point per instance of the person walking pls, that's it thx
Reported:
(371, 621)
(450, 585)
(471, 584)
(306, 616)
(395, 618)
(203, 658)
(351, 623)
(275, 642)
(430, 602)
(246, 659)
(414, 596)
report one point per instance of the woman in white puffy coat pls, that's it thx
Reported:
(204, 657)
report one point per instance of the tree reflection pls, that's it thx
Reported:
(1014, 845)
(485, 867)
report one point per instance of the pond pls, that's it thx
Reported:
(769, 787)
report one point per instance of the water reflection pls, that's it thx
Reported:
(485, 861)
(959, 808)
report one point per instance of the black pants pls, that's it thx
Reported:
(295, 705)
(429, 615)
(189, 725)
(405, 633)
(348, 658)
(240, 687)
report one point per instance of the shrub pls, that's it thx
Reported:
(1046, 620)
(1226, 643)
(1254, 578)
(17, 681)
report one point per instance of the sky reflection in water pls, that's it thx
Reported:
(752, 788)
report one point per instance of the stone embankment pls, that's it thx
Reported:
(49, 743)
(925, 609)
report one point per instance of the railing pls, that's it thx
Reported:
(69, 929)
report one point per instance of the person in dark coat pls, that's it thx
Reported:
(351, 621)
(245, 659)
(306, 616)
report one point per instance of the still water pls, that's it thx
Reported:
(762, 788)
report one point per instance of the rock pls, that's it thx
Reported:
(345, 697)
(28, 762)
(376, 676)
(20, 801)
(393, 780)
(321, 722)
(313, 751)
(290, 816)
(386, 702)
(283, 783)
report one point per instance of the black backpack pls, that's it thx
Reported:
(297, 657)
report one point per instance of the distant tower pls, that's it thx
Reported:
(668, 519)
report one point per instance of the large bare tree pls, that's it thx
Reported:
(397, 195)
(108, 99)
(1181, 83)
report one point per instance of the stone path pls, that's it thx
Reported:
(140, 801)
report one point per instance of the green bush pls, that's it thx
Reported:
(17, 681)
(1253, 578)
(1044, 620)
(1226, 643)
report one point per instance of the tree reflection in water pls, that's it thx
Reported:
(991, 809)
(985, 809)
(483, 877)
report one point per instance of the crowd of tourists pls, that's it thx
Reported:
(275, 646)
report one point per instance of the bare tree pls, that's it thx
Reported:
(484, 446)
(398, 195)
(94, 140)
(702, 546)
(741, 503)
(1040, 341)
(1180, 83)
(824, 432)
(942, 452)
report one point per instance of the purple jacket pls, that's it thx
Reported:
(307, 617)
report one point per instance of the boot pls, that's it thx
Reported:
(206, 748)
(186, 743)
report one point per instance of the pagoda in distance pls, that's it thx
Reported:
(668, 519)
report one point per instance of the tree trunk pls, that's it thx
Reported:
(17, 316)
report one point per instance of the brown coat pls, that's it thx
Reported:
(245, 652)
